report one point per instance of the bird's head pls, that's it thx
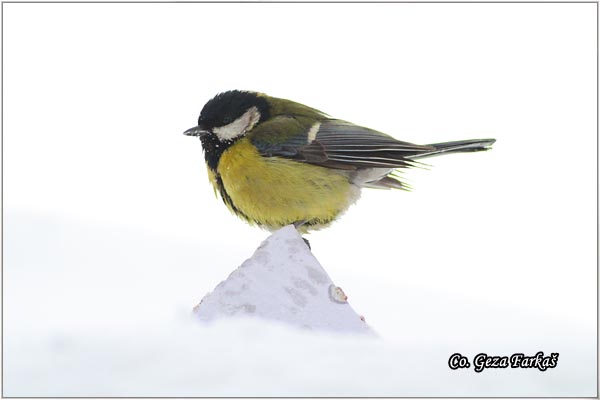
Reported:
(229, 116)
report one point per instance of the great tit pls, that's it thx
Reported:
(276, 162)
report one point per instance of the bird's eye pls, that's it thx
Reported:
(227, 120)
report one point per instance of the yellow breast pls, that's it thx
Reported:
(275, 192)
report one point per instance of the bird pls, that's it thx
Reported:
(275, 162)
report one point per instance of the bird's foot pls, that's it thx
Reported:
(297, 225)
(307, 243)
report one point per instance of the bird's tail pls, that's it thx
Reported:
(459, 146)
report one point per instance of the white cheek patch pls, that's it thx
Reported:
(239, 126)
(312, 133)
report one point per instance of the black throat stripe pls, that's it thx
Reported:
(214, 149)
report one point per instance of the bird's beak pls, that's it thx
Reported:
(196, 131)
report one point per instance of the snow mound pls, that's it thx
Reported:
(284, 282)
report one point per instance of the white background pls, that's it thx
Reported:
(110, 222)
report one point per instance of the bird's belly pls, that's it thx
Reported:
(275, 192)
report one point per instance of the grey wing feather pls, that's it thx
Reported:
(343, 145)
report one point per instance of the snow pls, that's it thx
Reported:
(283, 281)
(104, 311)
(250, 357)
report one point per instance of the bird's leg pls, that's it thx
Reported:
(297, 225)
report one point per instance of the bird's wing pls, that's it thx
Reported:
(333, 143)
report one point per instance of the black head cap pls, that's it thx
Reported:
(226, 107)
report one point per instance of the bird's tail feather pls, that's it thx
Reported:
(459, 146)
